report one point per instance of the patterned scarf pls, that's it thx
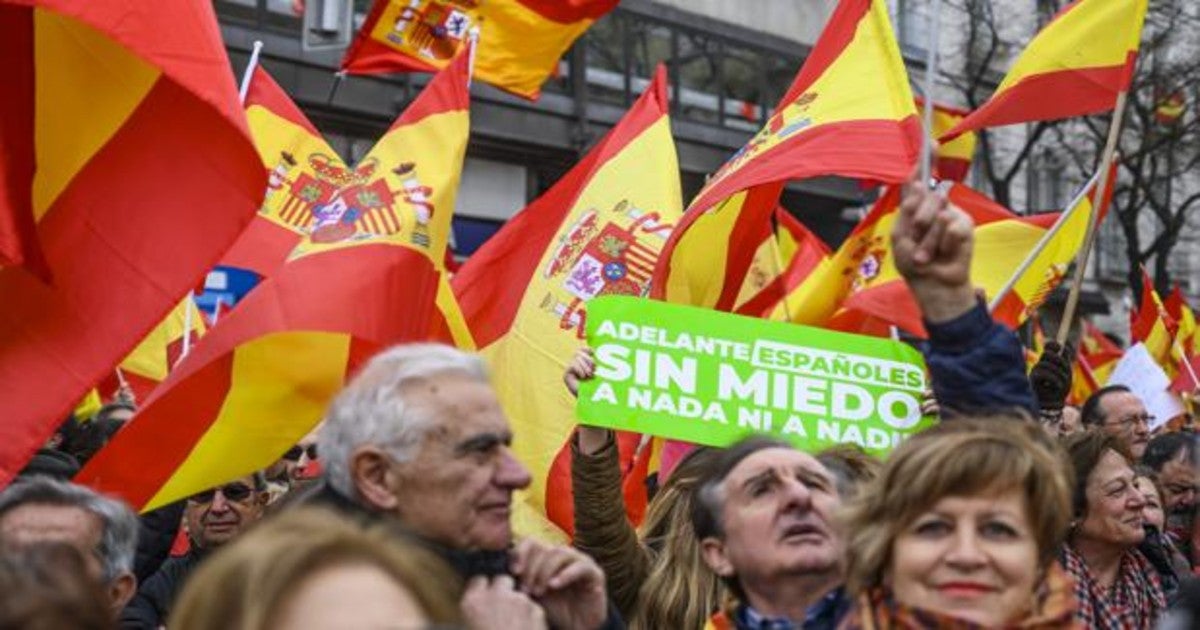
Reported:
(878, 610)
(1134, 602)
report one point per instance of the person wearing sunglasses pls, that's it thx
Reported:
(295, 469)
(213, 518)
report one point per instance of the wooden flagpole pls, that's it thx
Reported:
(1081, 260)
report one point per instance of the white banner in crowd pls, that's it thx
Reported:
(1138, 371)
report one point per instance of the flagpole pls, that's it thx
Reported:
(1041, 245)
(473, 38)
(1184, 360)
(1081, 260)
(931, 60)
(250, 66)
(188, 305)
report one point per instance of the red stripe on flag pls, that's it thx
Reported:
(131, 224)
(262, 247)
(1048, 97)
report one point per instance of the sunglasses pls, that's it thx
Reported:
(236, 492)
(293, 454)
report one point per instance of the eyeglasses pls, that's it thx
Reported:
(293, 454)
(236, 491)
(1127, 422)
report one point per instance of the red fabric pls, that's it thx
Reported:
(265, 92)
(18, 234)
(1049, 96)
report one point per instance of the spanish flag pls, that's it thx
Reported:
(1037, 345)
(304, 173)
(520, 41)
(952, 160)
(783, 260)
(860, 290)
(1095, 360)
(262, 378)
(1075, 66)
(1153, 326)
(849, 112)
(598, 231)
(126, 161)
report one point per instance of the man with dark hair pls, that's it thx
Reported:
(1120, 413)
(764, 519)
(213, 518)
(1172, 458)
(38, 510)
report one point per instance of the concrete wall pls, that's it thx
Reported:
(797, 20)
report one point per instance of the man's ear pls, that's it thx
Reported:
(373, 477)
(712, 549)
(121, 590)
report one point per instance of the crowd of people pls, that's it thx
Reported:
(398, 513)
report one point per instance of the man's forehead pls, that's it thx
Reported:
(774, 459)
(1122, 401)
(46, 522)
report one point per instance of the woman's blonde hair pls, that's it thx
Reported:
(960, 458)
(243, 585)
(680, 591)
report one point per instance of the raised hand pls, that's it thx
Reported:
(932, 242)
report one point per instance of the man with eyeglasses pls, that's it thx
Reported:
(212, 518)
(1120, 413)
(1172, 458)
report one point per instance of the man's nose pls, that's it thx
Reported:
(511, 473)
(219, 502)
(797, 492)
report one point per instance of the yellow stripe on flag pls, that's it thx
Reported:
(1089, 34)
(81, 74)
(270, 406)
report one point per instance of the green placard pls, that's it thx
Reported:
(713, 378)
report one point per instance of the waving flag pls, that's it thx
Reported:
(952, 159)
(304, 173)
(262, 379)
(1075, 66)
(520, 41)
(1094, 362)
(849, 112)
(151, 361)
(859, 289)
(145, 174)
(1185, 319)
(524, 294)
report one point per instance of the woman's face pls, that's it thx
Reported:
(1153, 513)
(349, 596)
(974, 558)
(1114, 505)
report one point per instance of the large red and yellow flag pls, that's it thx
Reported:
(782, 261)
(304, 173)
(952, 159)
(1095, 360)
(262, 378)
(860, 290)
(524, 294)
(849, 112)
(520, 41)
(125, 155)
(1075, 66)
(1151, 325)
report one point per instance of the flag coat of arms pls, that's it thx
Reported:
(261, 379)
(126, 169)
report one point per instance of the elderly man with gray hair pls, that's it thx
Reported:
(419, 438)
(40, 509)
